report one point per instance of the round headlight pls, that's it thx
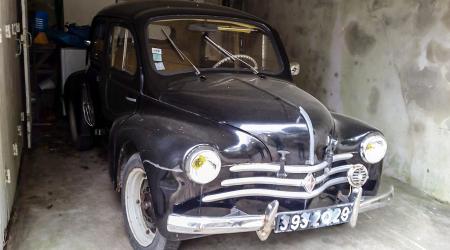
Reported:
(373, 148)
(202, 164)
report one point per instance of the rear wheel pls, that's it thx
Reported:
(82, 133)
(138, 209)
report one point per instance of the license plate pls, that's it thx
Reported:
(313, 218)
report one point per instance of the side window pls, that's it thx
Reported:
(98, 42)
(123, 51)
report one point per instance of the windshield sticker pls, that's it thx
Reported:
(157, 57)
(157, 51)
(159, 66)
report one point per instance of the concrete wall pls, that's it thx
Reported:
(82, 11)
(386, 62)
(10, 108)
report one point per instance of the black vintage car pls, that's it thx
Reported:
(207, 132)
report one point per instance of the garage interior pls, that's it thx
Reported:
(384, 62)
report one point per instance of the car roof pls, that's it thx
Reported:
(147, 9)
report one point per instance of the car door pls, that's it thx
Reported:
(96, 74)
(123, 83)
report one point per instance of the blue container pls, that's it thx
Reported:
(40, 21)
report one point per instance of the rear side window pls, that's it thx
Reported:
(98, 42)
(123, 51)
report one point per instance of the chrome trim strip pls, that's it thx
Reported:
(204, 225)
(333, 171)
(311, 135)
(269, 220)
(357, 193)
(370, 203)
(290, 169)
(274, 193)
(214, 225)
(175, 169)
(130, 99)
(271, 167)
(263, 180)
(282, 181)
(342, 157)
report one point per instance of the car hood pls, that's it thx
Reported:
(267, 108)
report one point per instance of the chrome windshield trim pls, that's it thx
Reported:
(281, 181)
(290, 169)
(274, 193)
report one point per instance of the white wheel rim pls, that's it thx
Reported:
(141, 232)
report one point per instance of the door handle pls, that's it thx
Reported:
(130, 99)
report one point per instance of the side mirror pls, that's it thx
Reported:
(87, 43)
(295, 68)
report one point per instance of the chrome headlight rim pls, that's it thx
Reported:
(195, 151)
(368, 139)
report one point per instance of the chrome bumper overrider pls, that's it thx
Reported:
(261, 224)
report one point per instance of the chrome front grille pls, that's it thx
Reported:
(323, 168)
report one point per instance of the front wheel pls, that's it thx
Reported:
(138, 209)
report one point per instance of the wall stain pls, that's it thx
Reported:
(428, 89)
(418, 127)
(374, 99)
(357, 40)
(446, 18)
(299, 30)
(425, 15)
(408, 71)
(380, 4)
(437, 53)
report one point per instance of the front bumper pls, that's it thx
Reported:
(261, 224)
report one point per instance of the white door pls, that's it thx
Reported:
(11, 85)
(3, 199)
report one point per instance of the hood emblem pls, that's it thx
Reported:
(282, 173)
(309, 183)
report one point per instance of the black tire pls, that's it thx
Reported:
(82, 134)
(159, 242)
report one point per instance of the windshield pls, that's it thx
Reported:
(182, 45)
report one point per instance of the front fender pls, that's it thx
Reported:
(162, 135)
(350, 133)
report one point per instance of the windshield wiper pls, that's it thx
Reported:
(229, 54)
(181, 54)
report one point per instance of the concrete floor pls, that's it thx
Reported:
(66, 201)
